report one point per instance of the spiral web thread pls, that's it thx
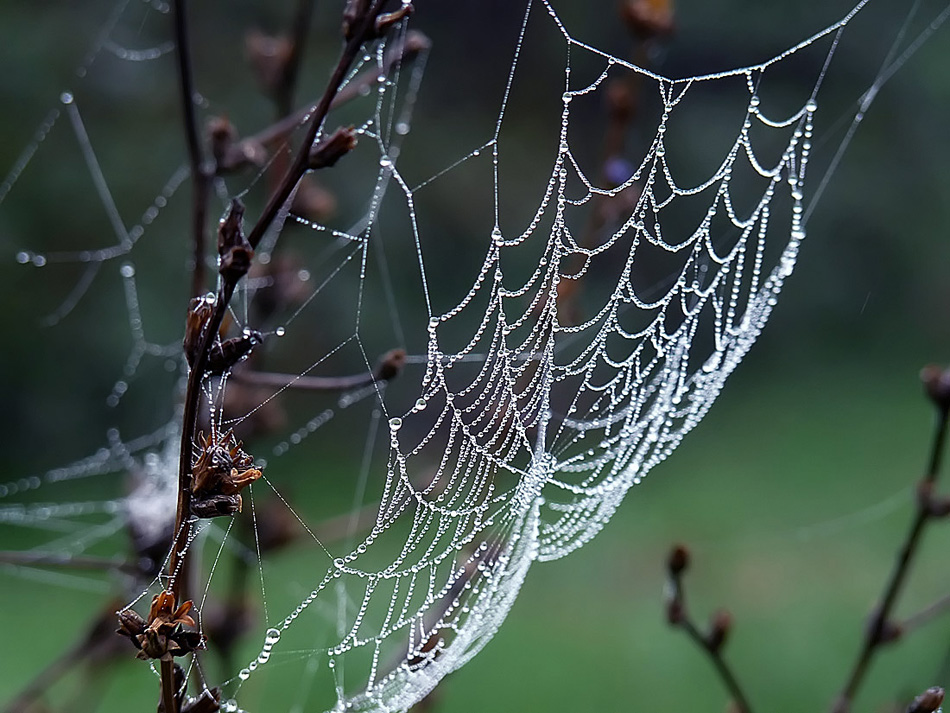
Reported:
(528, 427)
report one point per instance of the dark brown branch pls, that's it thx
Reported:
(389, 367)
(880, 628)
(178, 565)
(711, 642)
(200, 175)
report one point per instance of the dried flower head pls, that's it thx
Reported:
(161, 636)
(222, 470)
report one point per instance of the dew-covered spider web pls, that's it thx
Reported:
(566, 318)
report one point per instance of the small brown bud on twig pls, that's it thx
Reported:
(390, 365)
(199, 312)
(937, 385)
(334, 147)
(927, 702)
(231, 153)
(226, 354)
(648, 19)
(268, 57)
(883, 631)
(930, 503)
(719, 628)
(384, 22)
(678, 560)
(234, 250)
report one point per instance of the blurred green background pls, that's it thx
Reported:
(793, 493)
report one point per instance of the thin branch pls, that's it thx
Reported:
(200, 175)
(711, 642)
(881, 629)
(388, 368)
(925, 615)
(168, 686)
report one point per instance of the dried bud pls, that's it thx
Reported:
(230, 153)
(312, 201)
(927, 702)
(334, 147)
(883, 631)
(390, 365)
(220, 473)
(719, 628)
(678, 560)
(937, 385)
(233, 249)
(226, 354)
(199, 313)
(269, 57)
(621, 101)
(223, 136)
(387, 20)
(648, 19)
(162, 636)
(930, 503)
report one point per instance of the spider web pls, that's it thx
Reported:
(553, 368)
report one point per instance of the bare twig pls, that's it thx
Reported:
(711, 642)
(388, 368)
(925, 615)
(881, 629)
(200, 175)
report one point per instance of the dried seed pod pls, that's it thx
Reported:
(161, 636)
(226, 354)
(234, 252)
(222, 470)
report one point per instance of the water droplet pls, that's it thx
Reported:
(127, 270)
(331, 663)
(385, 161)
(339, 563)
(280, 331)
(244, 674)
(66, 98)
(209, 298)
(39, 260)
(395, 423)
(271, 637)
(23, 258)
(420, 404)
(811, 106)
(402, 128)
(303, 275)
